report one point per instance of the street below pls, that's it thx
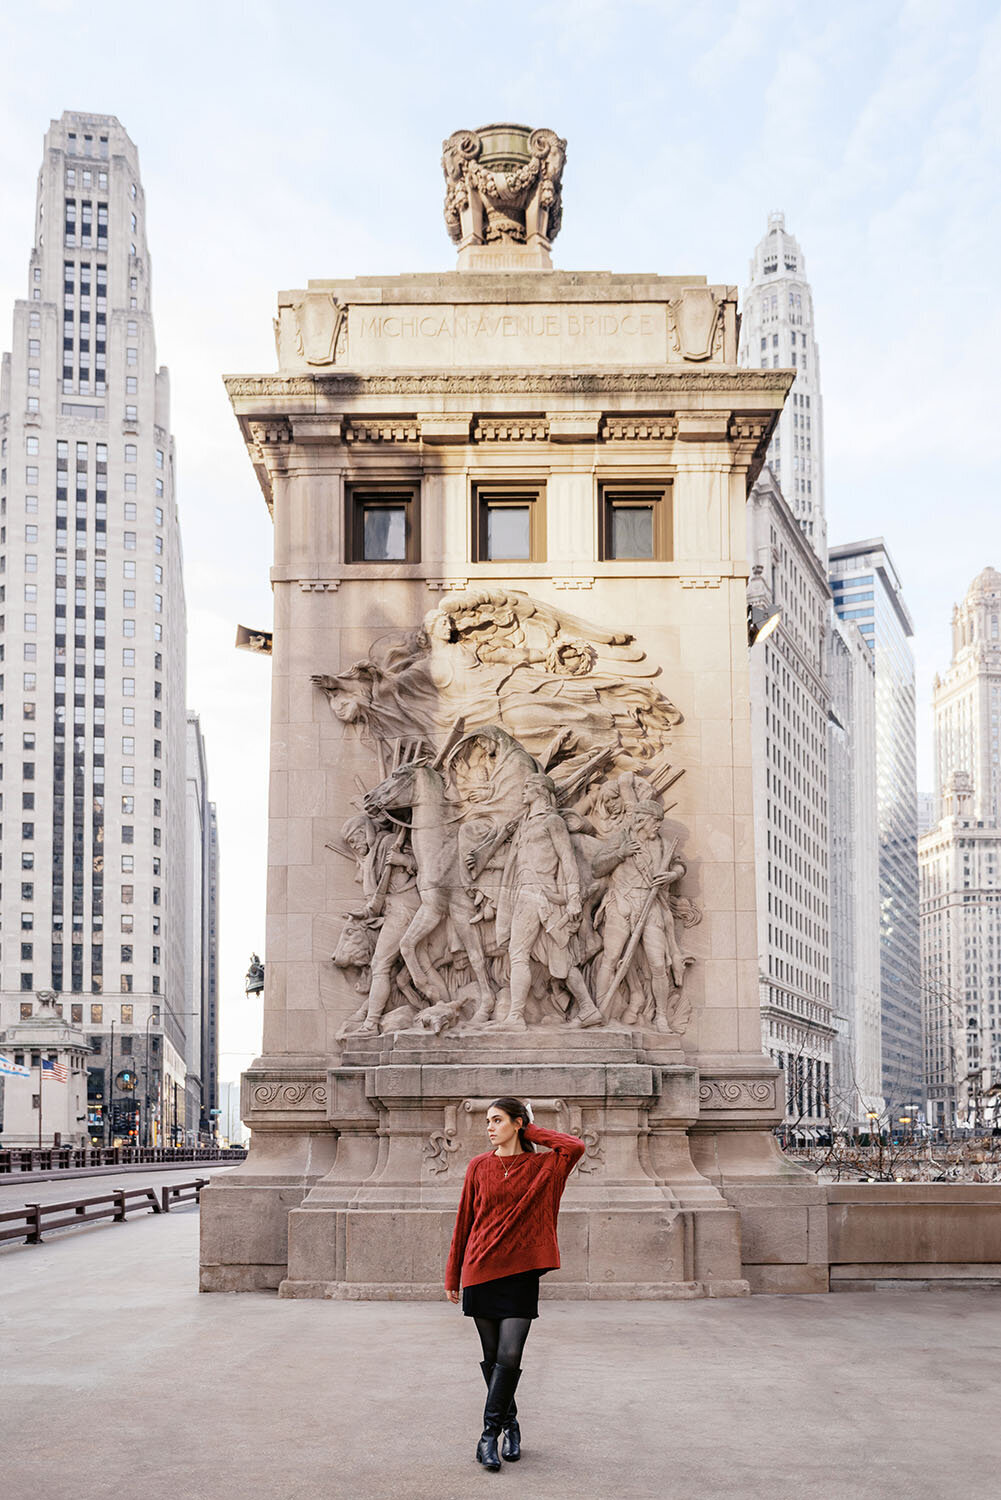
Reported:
(118, 1375)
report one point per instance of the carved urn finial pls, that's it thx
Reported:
(503, 192)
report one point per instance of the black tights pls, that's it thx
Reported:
(503, 1340)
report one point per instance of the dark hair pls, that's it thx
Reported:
(515, 1110)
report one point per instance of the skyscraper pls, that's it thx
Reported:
(93, 700)
(201, 955)
(790, 702)
(777, 332)
(850, 674)
(967, 700)
(867, 592)
(960, 861)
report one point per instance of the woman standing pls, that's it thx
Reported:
(504, 1241)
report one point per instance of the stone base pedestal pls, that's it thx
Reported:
(407, 1111)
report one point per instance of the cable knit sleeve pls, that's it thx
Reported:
(567, 1149)
(460, 1234)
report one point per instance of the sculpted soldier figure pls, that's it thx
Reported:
(637, 912)
(540, 906)
(387, 873)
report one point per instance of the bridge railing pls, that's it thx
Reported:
(63, 1158)
(27, 1223)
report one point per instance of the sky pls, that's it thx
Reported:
(283, 142)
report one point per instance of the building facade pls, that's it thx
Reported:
(777, 332)
(200, 927)
(94, 639)
(789, 714)
(850, 673)
(868, 594)
(960, 863)
(967, 699)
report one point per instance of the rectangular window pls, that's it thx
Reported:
(383, 525)
(635, 523)
(127, 894)
(96, 1015)
(128, 598)
(509, 523)
(128, 687)
(76, 1015)
(127, 1009)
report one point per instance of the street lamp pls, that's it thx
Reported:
(762, 619)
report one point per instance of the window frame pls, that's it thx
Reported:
(624, 494)
(490, 494)
(358, 497)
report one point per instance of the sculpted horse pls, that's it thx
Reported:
(434, 839)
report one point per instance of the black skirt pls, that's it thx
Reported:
(506, 1297)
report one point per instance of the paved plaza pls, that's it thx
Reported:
(117, 1377)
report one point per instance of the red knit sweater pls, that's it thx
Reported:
(508, 1224)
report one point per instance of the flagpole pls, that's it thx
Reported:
(41, 1070)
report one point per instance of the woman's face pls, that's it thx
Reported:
(500, 1127)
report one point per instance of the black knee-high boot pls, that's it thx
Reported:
(500, 1394)
(511, 1446)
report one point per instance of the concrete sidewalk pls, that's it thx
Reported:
(117, 1378)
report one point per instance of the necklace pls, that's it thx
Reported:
(514, 1158)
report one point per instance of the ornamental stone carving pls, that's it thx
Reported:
(695, 322)
(733, 1093)
(502, 184)
(516, 862)
(319, 320)
(288, 1095)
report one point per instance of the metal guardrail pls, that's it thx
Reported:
(27, 1223)
(60, 1158)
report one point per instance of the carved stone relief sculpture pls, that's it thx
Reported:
(515, 860)
(502, 183)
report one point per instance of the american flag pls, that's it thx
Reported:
(57, 1069)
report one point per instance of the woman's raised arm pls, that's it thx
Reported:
(567, 1149)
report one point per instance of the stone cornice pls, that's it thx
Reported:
(669, 382)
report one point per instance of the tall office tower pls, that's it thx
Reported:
(960, 862)
(201, 955)
(854, 874)
(967, 700)
(777, 332)
(867, 591)
(94, 645)
(789, 712)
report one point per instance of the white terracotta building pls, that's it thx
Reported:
(777, 332)
(789, 714)
(960, 864)
(94, 641)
